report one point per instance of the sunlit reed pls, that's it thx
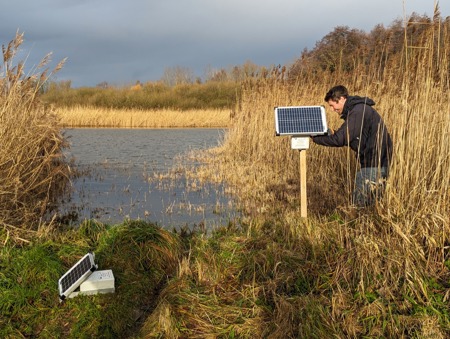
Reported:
(32, 169)
(136, 118)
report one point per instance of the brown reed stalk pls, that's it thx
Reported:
(33, 171)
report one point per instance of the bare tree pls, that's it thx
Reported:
(177, 75)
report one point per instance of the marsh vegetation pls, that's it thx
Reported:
(378, 272)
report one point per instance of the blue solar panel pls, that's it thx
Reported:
(76, 275)
(300, 120)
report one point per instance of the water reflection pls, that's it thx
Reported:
(118, 165)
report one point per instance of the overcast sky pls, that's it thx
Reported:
(121, 42)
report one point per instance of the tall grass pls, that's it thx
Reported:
(382, 272)
(138, 118)
(402, 246)
(32, 169)
(412, 96)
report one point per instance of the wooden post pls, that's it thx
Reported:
(303, 202)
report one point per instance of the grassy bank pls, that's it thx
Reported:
(142, 257)
(138, 118)
(271, 279)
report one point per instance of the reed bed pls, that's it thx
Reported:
(136, 118)
(33, 172)
(412, 97)
(377, 272)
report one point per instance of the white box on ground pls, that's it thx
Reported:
(98, 282)
(301, 143)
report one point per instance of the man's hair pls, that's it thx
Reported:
(336, 93)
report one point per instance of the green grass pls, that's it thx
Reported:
(141, 256)
(234, 283)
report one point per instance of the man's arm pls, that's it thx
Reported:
(336, 139)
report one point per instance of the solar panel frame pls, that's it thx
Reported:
(300, 120)
(78, 273)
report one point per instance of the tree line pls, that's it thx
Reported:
(343, 50)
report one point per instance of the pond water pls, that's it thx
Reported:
(118, 168)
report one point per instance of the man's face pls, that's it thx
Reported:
(337, 106)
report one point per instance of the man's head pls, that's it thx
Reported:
(336, 98)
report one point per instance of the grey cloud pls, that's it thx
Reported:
(124, 41)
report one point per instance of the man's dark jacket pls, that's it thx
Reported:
(364, 131)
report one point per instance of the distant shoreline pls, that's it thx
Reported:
(90, 117)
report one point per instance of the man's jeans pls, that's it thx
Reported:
(369, 185)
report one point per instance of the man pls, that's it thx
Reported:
(365, 133)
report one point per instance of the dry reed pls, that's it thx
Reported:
(413, 99)
(32, 168)
(384, 264)
(136, 118)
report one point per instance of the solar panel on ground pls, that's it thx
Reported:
(300, 120)
(76, 275)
